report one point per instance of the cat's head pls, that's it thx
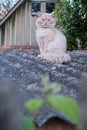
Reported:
(45, 20)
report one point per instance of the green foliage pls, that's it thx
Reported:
(27, 123)
(72, 17)
(34, 104)
(50, 87)
(63, 104)
(8, 3)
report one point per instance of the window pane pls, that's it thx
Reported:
(35, 7)
(50, 7)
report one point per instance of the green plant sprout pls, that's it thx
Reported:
(63, 104)
(27, 123)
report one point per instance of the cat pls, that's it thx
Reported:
(51, 42)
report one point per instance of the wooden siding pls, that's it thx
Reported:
(26, 17)
(8, 32)
(43, 7)
(28, 31)
(17, 27)
(5, 34)
(13, 29)
(20, 26)
(0, 36)
(33, 37)
(23, 24)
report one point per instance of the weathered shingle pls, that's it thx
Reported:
(25, 68)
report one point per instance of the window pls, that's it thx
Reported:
(50, 7)
(35, 8)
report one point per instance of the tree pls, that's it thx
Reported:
(5, 6)
(72, 16)
(8, 3)
(3, 12)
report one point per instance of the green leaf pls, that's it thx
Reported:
(65, 105)
(27, 123)
(45, 80)
(34, 104)
(53, 88)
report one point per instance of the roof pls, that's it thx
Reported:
(25, 68)
(16, 6)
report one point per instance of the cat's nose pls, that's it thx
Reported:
(45, 23)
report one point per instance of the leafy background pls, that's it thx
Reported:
(72, 17)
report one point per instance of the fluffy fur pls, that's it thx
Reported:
(52, 42)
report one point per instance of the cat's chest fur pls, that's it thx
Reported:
(44, 32)
(45, 36)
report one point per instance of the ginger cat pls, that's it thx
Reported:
(52, 42)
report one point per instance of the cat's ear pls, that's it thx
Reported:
(39, 14)
(53, 14)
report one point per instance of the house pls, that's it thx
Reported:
(17, 28)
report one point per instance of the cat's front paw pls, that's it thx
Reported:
(62, 58)
(41, 55)
(66, 58)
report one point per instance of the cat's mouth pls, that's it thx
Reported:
(45, 27)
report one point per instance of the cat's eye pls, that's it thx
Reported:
(48, 19)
